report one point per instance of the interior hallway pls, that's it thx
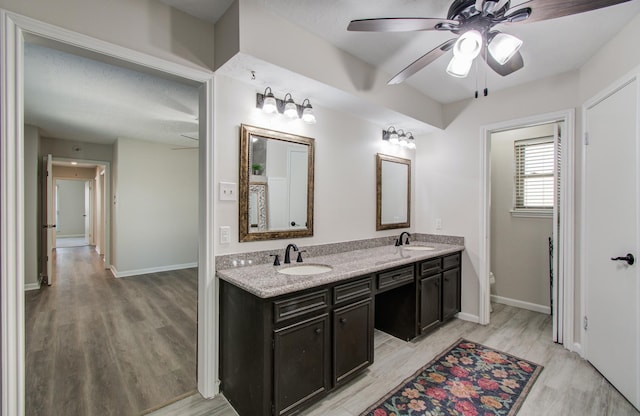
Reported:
(567, 386)
(96, 345)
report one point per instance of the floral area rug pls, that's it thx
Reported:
(467, 379)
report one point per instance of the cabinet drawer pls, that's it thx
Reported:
(451, 261)
(397, 277)
(430, 267)
(300, 305)
(353, 290)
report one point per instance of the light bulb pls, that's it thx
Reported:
(307, 112)
(503, 46)
(459, 67)
(468, 45)
(290, 108)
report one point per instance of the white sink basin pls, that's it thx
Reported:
(418, 248)
(305, 269)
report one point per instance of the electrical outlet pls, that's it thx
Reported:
(225, 234)
(438, 223)
(228, 191)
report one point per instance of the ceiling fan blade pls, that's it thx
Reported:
(423, 61)
(512, 65)
(551, 9)
(399, 24)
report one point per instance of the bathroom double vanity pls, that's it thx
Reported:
(287, 338)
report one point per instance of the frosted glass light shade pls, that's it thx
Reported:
(503, 46)
(269, 105)
(459, 67)
(468, 45)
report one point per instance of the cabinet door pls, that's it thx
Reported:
(450, 293)
(300, 363)
(353, 339)
(429, 303)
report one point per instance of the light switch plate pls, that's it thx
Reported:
(225, 234)
(228, 191)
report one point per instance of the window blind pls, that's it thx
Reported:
(534, 182)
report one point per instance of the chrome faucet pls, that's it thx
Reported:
(399, 240)
(287, 255)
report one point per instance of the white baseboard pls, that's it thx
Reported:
(70, 236)
(128, 273)
(31, 286)
(468, 317)
(521, 304)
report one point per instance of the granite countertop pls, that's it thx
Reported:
(264, 280)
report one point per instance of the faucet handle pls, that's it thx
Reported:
(407, 241)
(299, 260)
(398, 242)
(276, 261)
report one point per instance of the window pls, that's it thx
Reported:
(534, 168)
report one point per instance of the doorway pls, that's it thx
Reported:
(16, 28)
(523, 174)
(562, 281)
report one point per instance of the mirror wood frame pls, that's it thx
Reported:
(389, 226)
(246, 132)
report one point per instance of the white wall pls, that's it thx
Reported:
(519, 246)
(155, 211)
(70, 208)
(345, 168)
(147, 26)
(31, 206)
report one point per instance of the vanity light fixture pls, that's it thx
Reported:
(290, 108)
(307, 112)
(411, 143)
(398, 137)
(269, 104)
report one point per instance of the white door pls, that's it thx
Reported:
(298, 162)
(87, 212)
(611, 231)
(50, 216)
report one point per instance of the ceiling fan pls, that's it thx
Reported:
(473, 22)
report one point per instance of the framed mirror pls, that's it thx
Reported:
(276, 184)
(393, 184)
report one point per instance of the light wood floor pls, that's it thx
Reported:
(96, 345)
(568, 385)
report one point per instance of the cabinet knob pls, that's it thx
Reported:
(343, 320)
(318, 330)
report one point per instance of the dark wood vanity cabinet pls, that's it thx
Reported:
(430, 305)
(439, 291)
(300, 363)
(278, 355)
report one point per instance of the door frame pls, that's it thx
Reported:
(564, 278)
(13, 29)
(606, 92)
(106, 215)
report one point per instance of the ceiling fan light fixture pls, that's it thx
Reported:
(459, 67)
(468, 45)
(503, 46)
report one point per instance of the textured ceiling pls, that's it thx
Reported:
(73, 97)
(550, 47)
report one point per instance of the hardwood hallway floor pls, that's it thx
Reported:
(96, 345)
(567, 386)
